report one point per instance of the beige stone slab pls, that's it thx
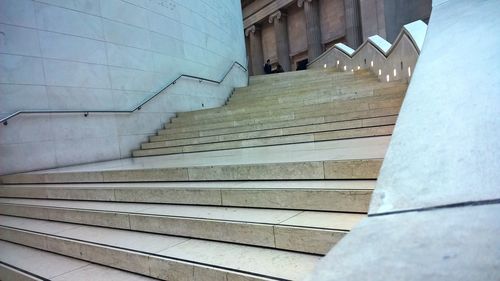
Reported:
(293, 126)
(167, 269)
(22, 237)
(354, 169)
(42, 263)
(74, 177)
(230, 256)
(305, 170)
(49, 227)
(157, 151)
(180, 142)
(256, 215)
(329, 220)
(16, 191)
(306, 137)
(317, 241)
(326, 200)
(121, 170)
(144, 242)
(16, 210)
(109, 219)
(361, 103)
(222, 213)
(88, 205)
(254, 134)
(11, 274)
(22, 178)
(98, 272)
(63, 246)
(245, 233)
(146, 175)
(170, 195)
(379, 121)
(122, 259)
(281, 264)
(278, 140)
(322, 127)
(212, 146)
(354, 133)
(81, 194)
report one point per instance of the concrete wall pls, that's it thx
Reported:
(387, 17)
(107, 54)
(372, 18)
(401, 12)
(434, 212)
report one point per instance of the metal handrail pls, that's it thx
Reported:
(138, 107)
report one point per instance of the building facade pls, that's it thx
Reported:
(289, 32)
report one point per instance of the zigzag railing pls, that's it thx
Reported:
(390, 62)
(4, 120)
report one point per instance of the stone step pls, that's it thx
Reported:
(295, 230)
(159, 256)
(235, 105)
(322, 109)
(317, 170)
(22, 263)
(298, 86)
(161, 149)
(232, 127)
(310, 95)
(286, 131)
(296, 101)
(270, 78)
(307, 74)
(330, 195)
(302, 85)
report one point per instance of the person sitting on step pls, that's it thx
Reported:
(268, 67)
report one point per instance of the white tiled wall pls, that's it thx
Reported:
(108, 54)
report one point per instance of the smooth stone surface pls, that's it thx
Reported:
(330, 220)
(353, 169)
(447, 244)
(247, 226)
(11, 274)
(98, 272)
(331, 200)
(331, 150)
(450, 155)
(231, 256)
(36, 261)
(284, 264)
(307, 240)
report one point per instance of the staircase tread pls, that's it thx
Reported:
(307, 185)
(312, 219)
(363, 148)
(268, 262)
(57, 267)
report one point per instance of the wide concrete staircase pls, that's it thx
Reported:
(259, 189)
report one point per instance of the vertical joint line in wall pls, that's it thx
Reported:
(274, 235)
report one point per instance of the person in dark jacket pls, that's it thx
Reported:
(279, 69)
(268, 67)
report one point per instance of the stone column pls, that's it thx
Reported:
(281, 32)
(353, 23)
(313, 31)
(256, 54)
